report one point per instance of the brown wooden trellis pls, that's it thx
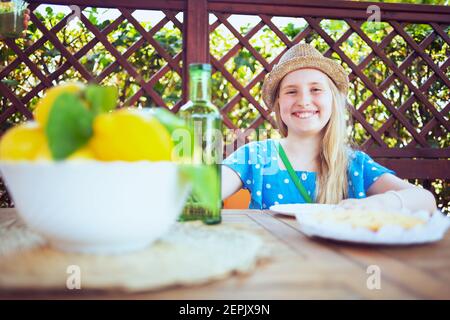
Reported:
(417, 160)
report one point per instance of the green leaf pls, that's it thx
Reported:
(159, 87)
(52, 53)
(168, 119)
(172, 122)
(290, 30)
(245, 58)
(69, 125)
(104, 61)
(205, 184)
(92, 16)
(10, 83)
(101, 98)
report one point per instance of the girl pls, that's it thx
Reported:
(308, 94)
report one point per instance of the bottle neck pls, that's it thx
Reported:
(200, 86)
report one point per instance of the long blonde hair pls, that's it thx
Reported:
(332, 184)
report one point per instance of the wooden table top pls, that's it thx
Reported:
(306, 268)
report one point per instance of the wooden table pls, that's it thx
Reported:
(305, 268)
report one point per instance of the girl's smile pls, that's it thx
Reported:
(305, 114)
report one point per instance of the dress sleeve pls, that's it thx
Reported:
(240, 162)
(372, 171)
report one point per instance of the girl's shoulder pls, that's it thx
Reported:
(359, 160)
(259, 147)
(260, 144)
(357, 156)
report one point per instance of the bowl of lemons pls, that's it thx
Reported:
(91, 178)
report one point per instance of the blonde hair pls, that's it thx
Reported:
(332, 184)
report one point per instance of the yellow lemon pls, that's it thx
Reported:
(84, 153)
(44, 105)
(125, 135)
(23, 142)
(43, 153)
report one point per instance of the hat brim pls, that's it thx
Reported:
(331, 68)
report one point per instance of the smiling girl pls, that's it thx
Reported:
(314, 162)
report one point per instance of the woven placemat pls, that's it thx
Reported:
(190, 253)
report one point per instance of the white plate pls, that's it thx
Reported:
(295, 208)
(434, 230)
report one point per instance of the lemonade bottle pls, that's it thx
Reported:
(205, 122)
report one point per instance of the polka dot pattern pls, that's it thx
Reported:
(269, 187)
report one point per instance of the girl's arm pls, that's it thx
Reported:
(411, 197)
(231, 182)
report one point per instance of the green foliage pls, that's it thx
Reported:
(6, 7)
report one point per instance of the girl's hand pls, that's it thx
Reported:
(361, 204)
(385, 201)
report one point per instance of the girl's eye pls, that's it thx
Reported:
(316, 90)
(290, 92)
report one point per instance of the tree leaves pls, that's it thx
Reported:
(291, 31)
(245, 58)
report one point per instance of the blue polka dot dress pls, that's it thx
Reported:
(256, 163)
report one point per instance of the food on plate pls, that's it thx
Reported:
(372, 220)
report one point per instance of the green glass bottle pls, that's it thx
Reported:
(205, 122)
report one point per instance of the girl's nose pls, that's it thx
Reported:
(304, 98)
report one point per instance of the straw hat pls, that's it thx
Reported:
(298, 57)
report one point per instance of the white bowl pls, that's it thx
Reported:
(97, 207)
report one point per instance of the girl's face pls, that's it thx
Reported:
(305, 100)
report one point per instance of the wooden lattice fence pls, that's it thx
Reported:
(399, 96)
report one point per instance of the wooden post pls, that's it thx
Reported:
(195, 38)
